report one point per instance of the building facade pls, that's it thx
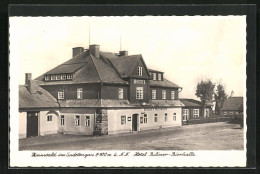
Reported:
(104, 93)
(233, 106)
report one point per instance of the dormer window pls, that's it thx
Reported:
(53, 77)
(159, 76)
(140, 71)
(57, 77)
(63, 77)
(69, 76)
(47, 78)
(172, 95)
(154, 76)
(163, 94)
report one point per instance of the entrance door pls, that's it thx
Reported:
(32, 124)
(134, 122)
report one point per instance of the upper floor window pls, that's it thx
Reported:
(61, 95)
(63, 77)
(120, 93)
(77, 119)
(153, 94)
(139, 92)
(47, 78)
(69, 76)
(154, 76)
(140, 71)
(53, 77)
(79, 93)
(163, 94)
(159, 76)
(225, 113)
(172, 95)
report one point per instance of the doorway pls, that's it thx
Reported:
(134, 122)
(32, 124)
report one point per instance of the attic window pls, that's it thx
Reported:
(69, 76)
(47, 78)
(154, 76)
(159, 76)
(63, 77)
(53, 77)
(57, 77)
(140, 71)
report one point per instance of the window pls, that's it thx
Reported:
(79, 93)
(123, 120)
(53, 77)
(230, 113)
(63, 77)
(57, 77)
(185, 114)
(159, 76)
(174, 116)
(87, 121)
(60, 95)
(154, 76)
(155, 118)
(237, 113)
(77, 119)
(139, 92)
(165, 117)
(47, 78)
(163, 94)
(145, 118)
(153, 94)
(49, 118)
(172, 95)
(140, 71)
(120, 93)
(69, 76)
(225, 113)
(62, 120)
(195, 113)
(141, 119)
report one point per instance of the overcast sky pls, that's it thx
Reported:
(187, 48)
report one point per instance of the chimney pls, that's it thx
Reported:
(77, 50)
(94, 50)
(123, 53)
(30, 83)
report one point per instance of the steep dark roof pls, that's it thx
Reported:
(166, 103)
(233, 103)
(163, 83)
(191, 102)
(41, 99)
(152, 70)
(86, 69)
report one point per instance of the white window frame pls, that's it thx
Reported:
(172, 95)
(185, 113)
(196, 113)
(63, 77)
(231, 113)
(139, 92)
(58, 77)
(153, 94)
(49, 118)
(77, 120)
(165, 117)
(145, 118)
(154, 76)
(225, 113)
(53, 77)
(62, 120)
(155, 118)
(87, 120)
(120, 93)
(140, 71)
(79, 93)
(60, 95)
(123, 119)
(47, 78)
(163, 94)
(69, 76)
(159, 76)
(174, 116)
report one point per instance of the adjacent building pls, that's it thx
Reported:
(233, 106)
(98, 92)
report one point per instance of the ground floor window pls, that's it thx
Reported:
(145, 118)
(77, 120)
(141, 119)
(155, 118)
(174, 116)
(230, 113)
(87, 121)
(195, 113)
(123, 119)
(49, 118)
(185, 114)
(62, 120)
(165, 117)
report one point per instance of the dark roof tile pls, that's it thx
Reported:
(233, 103)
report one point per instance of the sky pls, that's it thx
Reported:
(186, 48)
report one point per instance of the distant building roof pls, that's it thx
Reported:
(193, 103)
(233, 103)
(163, 83)
(40, 99)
